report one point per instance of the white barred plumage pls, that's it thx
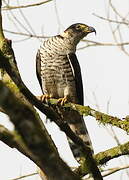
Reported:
(59, 74)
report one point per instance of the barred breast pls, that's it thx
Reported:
(56, 70)
(59, 75)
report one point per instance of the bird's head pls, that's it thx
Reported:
(78, 31)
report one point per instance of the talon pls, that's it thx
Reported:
(62, 101)
(44, 98)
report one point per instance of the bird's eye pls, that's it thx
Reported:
(78, 27)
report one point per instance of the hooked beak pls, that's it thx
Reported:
(91, 29)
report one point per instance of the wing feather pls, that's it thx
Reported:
(38, 68)
(78, 77)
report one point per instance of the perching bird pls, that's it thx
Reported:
(59, 74)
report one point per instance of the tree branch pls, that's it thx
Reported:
(26, 34)
(28, 175)
(103, 157)
(13, 140)
(24, 6)
(39, 143)
(89, 42)
(115, 152)
(113, 170)
(110, 171)
(95, 43)
(99, 116)
(111, 20)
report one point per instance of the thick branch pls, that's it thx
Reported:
(112, 153)
(103, 157)
(13, 140)
(36, 139)
(99, 116)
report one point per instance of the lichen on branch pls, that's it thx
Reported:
(34, 135)
(102, 118)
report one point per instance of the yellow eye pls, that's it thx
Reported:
(78, 27)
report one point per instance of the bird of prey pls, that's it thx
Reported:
(59, 74)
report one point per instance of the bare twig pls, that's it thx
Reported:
(111, 20)
(26, 34)
(113, 170)
(116, 12)
(89, 42)
(24, 6)
(25, 19)
(110, 171)
(25, 176)
(95, 43)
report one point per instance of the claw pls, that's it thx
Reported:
(62, 101)
(44, 98)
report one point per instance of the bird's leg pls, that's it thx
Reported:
(63, 100)
(44, 97)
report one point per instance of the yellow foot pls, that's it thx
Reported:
(44, 98)
(62, 101)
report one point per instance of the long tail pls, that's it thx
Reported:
(77, 124)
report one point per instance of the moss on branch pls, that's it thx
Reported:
(102, 118)
(105, 156)
(13, 140)
(112, 153)
(35, 136)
